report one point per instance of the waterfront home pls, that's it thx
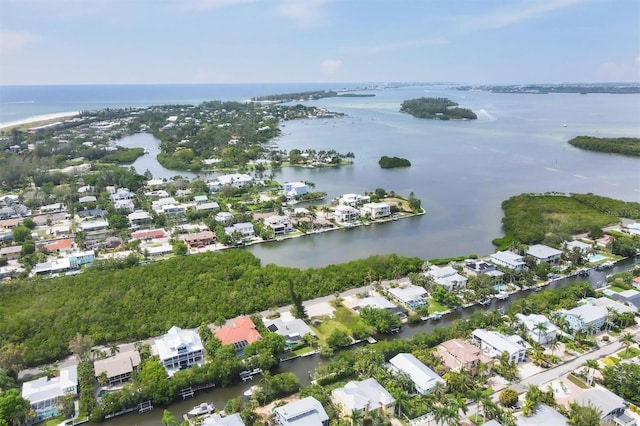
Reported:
(604, 241)
(179, 349)
(293, 329)
(543, 415)
(238, 332)
(447, 276)
(611, 406)
(375, 210)
(149, 234)
(378, 302)
(458, 354)
(139, 218)
(11, 252)
(509, 260)
(633, 228)
(292, 190)
(244, 228)
(64, 245)
(423, 378)
(216, 419)
(495, 343)
(613, 305)
(199, 239)
(280, 225)
(584, 248)
(538, 327)
(156, 183)
(353, 200)
(364, 396)
(43, 393)
(629, 297)
(117, 369)
(223, 217)
(412, 296)
(237, 180)
(122, 194)
(542, 253)
(585, 317)
(304, 412)
(345, 214)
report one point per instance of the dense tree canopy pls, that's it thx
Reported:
(391, 162)
(624, 380)
(436, 108)
(626, 146)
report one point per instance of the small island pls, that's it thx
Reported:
(436, 109)
(309, 96)
(625, 146)
(393, 162)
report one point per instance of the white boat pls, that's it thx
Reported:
(502, 295)
(435, 316)
(202, 409)
(253, 389)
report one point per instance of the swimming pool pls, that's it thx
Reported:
(608, 292)
(500, 287)
(596, 257)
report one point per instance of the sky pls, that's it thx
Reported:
(281, 41)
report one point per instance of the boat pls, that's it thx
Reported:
(502, 295)
(435, 316)
(146, 151)
(253, 389)
(202, 409)
(485, 302)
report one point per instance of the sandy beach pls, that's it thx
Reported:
(39, 118)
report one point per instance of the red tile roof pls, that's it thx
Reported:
(63, 244)
(149, 233)
(239, 329)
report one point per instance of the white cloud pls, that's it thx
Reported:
(216, 4)
(503, 18)
(11, 41)
(398, 45)
(304, 13)
(331, 66)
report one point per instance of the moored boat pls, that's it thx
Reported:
(202, 409)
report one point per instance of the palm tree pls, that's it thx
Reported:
(476, 395)
(627, 341)
(114, 349)
(541, 328)
(446, 414)
(553, 345)
(357, 417)
(591, 365)
(266, 381)
(584, 415)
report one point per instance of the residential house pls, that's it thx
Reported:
(423, 378)
(542, 253)
(244, 228)
(139, 218)
(56, 266)
(124, 205)
(612, 305)
(156, 183)
(585, 317)
(117, 369)
(87, 199)
(636, 282)
(210, 205)
(80, 258)
(157, 250)
(122, 194)
(280, 225)
(353, 200)
(378, 302)
(11, 252)
(173, 209)
(199, 239)
(630, 297)
(223, 217)
(612, 407)
(237, 180)
(584, 248)
(64, 245)
(10, 223)
(51, 208)
(495, 343)
(604, 241)
(543, 415)
(43, 393)
(216, 419)
(375, 210)
(156, 205)
(179, 349)
(293, 190)
(345, 214)
(238, 332)
(475, 267)
(411, 296)
(447, 276)
(149, 234)
(93, 225)
(509, 260)
(304, 412)
(293, 329)
(366, 395)
(91, 214)
(458, 354)
(539, 328)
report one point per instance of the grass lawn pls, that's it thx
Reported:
(616, 289)
(577, 381)
(476, 419)
(303, 351)
(54, 421)
(436, 307)
(343, 319)
(633, 352)
(611, 360)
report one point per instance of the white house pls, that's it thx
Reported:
(539, 328)
(412, 296)
(122, 194)
(43, 393)
(375, 210)
(585, 317)
(237, 180)
(179, 349)
(613, 409)
(223, 217)
(244, 228)
(353, 200)
(447, 276)
(423, 378)
(139, 217)
(344, 214)
(542, 253)
(293, 329)
(304, 412)
(119, 368)
(294, 189)
(280, 225)
(126, 205)
(494, 344)
(367, 395)
(475, 267)
(508, 260)
(583, 247)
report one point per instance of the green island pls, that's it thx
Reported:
(551, 218)
(392, 162)
(310, 96)
(583, 89)
(625, 146)
(436, 109)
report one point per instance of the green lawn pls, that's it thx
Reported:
(616, 289)
(343, 319)
(55, 421)
(633, 352)
(436, 307)
(611, 360)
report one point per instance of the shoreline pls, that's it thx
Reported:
(38, 118)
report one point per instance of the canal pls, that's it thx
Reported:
(302, 367)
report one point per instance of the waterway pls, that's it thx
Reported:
(461, 170)
(302, 367)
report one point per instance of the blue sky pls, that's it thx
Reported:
(265, 41)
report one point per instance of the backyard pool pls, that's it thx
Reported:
(596, 257)
(500, 287)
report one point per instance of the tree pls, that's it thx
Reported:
(338, 338)
(508, 397)
(591, 365)
(12, 358)
(80, 345)
(623, 379)
(627, 341)
(153, 382)
(541, 328)
(14, 409)
(179, 248)
(584, 415)
(21, 234)
(381, 319)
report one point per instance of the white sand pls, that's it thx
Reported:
(36, 118)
